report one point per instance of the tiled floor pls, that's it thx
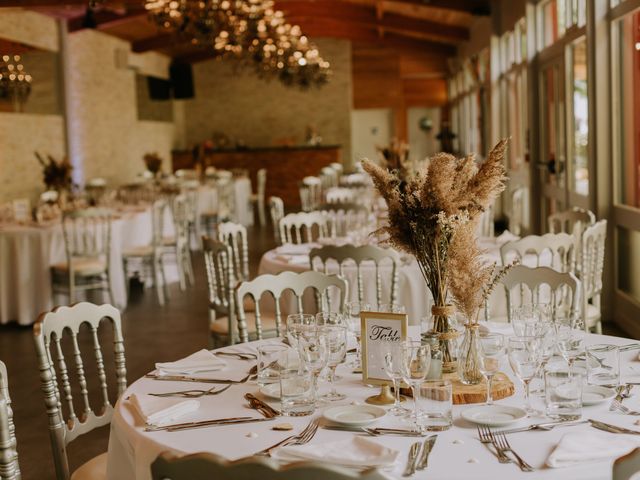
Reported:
(152, 333)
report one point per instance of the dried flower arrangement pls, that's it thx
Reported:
(433, 215)
(153, 162)
(395, 157)
(56, 174)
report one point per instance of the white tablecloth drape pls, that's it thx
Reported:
(457, 454)
(27, 252)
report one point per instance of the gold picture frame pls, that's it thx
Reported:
(376, 327)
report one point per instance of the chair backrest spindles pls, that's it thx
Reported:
(9, 467)
(235, 235)
(555, 250)
(298, 227)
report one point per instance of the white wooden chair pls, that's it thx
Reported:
(207, 466)
(276, 286)
(367, 256)
(178, 246)
(572, 221)
(329, 178)
(276, 209)
(555, 250)
(258, 198)
(486, 225)
(592, 267)
(9, 466)
(148, 258)
(516, 213)
(49, 196)
(340, 195)
(304, 227)
(627, 466)
(235, 236)
(190, 189)
(344, 218)
(225, 208)
(310, 193)
(136, 194)
(186, 174)
(218, 260)
(561, 290)
(87, 244)
(56, 385)
(338, 167)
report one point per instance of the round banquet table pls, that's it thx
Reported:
(412, 291)
(457, 453)
(27, 251)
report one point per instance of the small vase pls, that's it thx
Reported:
(469, 356)
(442, 315)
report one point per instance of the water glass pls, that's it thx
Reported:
(390, 308)
(416, 360)
(336, 336)
(492, 349)
(436, 402)
(531, 319)
(354, 323)
(329, 318)
(391, 352)
(268, 363)
(525, 358)
(563, 394)
(296, 387)
(314, 353)
(603, 365)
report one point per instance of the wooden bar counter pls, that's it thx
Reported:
(286, 166)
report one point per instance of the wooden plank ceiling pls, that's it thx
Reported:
(404, 42)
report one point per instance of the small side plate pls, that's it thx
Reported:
(595, 394)
(356, 415)
(494, 415)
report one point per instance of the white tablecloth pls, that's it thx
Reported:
(208, 200)
(26, 252)
(131, 450)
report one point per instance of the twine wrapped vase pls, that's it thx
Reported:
(469, 355)
(442, 315)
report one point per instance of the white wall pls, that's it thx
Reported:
(370, 127)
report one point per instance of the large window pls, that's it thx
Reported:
(579, 138)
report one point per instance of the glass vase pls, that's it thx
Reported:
(442, 324)
(469, 356)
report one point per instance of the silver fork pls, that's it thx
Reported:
(485, 437)
(192, 393)
(501, 443)
(302, 438)
(617, 405)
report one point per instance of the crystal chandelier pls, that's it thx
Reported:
(250, 31)
(15, 82)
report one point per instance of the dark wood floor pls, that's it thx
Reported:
(151, 333)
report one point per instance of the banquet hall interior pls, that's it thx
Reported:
(337, 239)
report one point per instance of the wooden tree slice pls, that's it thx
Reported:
(502, 387)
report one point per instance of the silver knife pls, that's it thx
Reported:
(411, 461)
(182, 378)
(542, 426)
(426, 450)
(612, 428)
(204, 423)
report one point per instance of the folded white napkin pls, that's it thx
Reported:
(161, 411)
(294, 259)
(581, 447)
(354, 452)
(294, 249)
(202, 361)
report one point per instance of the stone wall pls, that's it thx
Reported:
(246, 108)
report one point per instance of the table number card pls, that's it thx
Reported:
(378, 327)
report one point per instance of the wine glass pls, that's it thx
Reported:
(314, 353)
(328, 318)
(569, 340)
(336, 337)
(353, 310)
(525, 360)
(415, 363)
(295, 323)
(391, 308)
(491, 352)
(530, 319)
(392, 353)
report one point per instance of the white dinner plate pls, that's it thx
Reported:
(594, 394)
(271, 390)
(356, 415)
(494, 415)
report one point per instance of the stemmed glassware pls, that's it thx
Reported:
(416, 360)
(492, 349)
(392, 354)
(314, 353)
(530, 319)
(390, 308)
(336, 339)
(353, 310)
(295, 323)
(525, 359)
(570, 340)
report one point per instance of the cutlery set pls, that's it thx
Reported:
(193, 393)
(186, 378)
(375, 432)
(502, 447)
(264, 408)
(302, 438)
(176, 427)
(418, 459)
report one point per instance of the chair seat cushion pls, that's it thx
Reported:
(268, 320)
(94, 469)
(82, 266)
(141, 251)
(593, 315)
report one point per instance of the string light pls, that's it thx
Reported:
(15, 82)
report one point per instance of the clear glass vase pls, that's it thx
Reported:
(469, 356)
(442, 324)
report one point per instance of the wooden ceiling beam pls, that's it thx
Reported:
(162, 40)
(371, 17)
(474, 7)
(106, 18)
(62, 3)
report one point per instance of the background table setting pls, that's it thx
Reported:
(574, 450)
